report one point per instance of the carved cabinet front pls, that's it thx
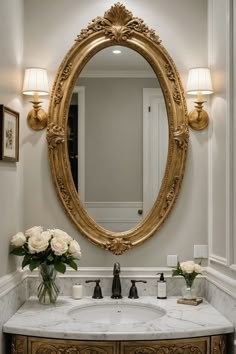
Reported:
(201, 345)
(177, 346)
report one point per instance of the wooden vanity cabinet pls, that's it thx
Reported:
(173, 346)
(201, 345)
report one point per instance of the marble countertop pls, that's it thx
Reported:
(57, 321)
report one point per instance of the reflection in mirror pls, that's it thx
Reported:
(117, 137)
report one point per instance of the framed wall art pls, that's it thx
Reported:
(9, 134)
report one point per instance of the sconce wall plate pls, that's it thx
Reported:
(37, 118)
(198, 118)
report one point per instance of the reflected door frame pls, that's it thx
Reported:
(80, 90)
(155, 145)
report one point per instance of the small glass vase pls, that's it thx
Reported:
(48, 290)
(188, 290)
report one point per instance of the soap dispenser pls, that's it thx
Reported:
(161, 287)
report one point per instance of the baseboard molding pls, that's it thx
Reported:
(12, 280)
(222, 281)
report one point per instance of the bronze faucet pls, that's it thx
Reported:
(116, 285)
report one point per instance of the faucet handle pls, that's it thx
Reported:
(97, 293)
(133, 293)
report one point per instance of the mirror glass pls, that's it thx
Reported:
(117, 137)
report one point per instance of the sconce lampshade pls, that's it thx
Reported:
(36, 84)
(35, 80)
(199, 80)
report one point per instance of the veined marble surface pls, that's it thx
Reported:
(55, 321)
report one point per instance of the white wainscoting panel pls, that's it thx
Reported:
(220, 135)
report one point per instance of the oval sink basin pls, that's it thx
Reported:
(116, 313)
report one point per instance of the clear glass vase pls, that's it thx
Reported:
(188, 291)
(48, 290)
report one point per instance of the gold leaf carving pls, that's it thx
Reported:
(58, 94)
(48, 349)
(170, 196)
(171, 349)
(169, 72)
(219, 345)
(64, 76)
(66, 72)
(177, 96)
(19, 345)
(118, 245)
(55, 135)
(118, 24)
(66, 197)
(181, 136)
(172, 77)
(147, 350)
(93, 350)
(68, 349)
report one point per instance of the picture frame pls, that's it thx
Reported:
(9, 134)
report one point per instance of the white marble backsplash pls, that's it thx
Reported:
(174, 285)
(10, 302)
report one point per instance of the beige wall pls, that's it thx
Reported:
(11, 49)
(46, 46)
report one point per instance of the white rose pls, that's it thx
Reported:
(197, 268)
(187, 267)
(35, 230)
(46, 234)
(18, 240)
(38, 243)
(61, 234)
(59, 246)
(74, 249)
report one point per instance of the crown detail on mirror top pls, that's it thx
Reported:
(118, 24)
(117, 27)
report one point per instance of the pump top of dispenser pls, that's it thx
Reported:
(161, 276)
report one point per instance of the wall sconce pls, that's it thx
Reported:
(36, 84)
(199, 83)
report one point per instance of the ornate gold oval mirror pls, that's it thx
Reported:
(118, 27)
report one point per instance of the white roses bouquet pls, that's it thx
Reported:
(189, 270)
(50, 247)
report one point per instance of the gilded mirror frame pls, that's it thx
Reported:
(117, 27)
